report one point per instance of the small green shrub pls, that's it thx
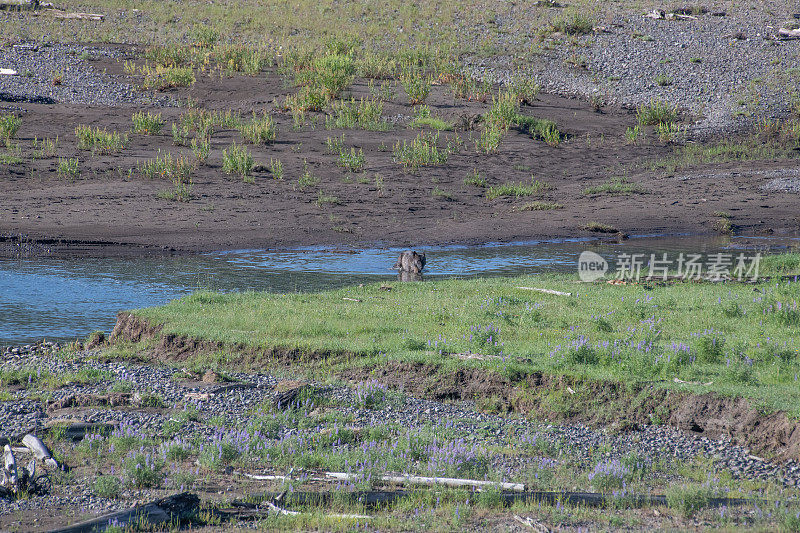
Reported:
(276, 168)
(663, 80)
(261, 130)
(364, 113)
(9, 126)
(599, 227)
(572, 23)
(106, 486)
(147, 123)
(68, 168)
(416, 84)
(324, 199)
(541, 129)
(352, 160)
(99, 141)
(239, 58)
(633, 134)
(423, 118)
(614, 186)
(421, 151)
(237, 160)
(656, 112)
(217, 455)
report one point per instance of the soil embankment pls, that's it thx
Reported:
(558, 398)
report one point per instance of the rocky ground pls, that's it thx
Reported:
(224, 405)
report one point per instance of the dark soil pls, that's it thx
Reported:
(111, 204)
(557, 398)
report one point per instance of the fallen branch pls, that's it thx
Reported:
(39, 450)
(445, 481)
(532, 523)
(351, 299)
(84, 16)
(159, 511)
(787, 34)
(547, 291)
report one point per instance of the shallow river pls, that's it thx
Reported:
(65, 299)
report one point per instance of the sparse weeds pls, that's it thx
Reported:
(352, 160)
(475, 179)
(99, 141)
(633, 134)
(236, 159)
(239, 58)
(599, 227)
(45, 147)
(147, 123)
(325, 199)
(538, 206)
(421, 151)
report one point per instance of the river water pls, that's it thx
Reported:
(65, 299)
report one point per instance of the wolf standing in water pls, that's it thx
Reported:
(410, 261)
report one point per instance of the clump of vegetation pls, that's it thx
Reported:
(239, 58)
(143, 469)
(276, 168)
(475, 179)
(106, 486)
(423, 117)
(364, 113)
(68, 168)
(162, 78)
(469, 88)
(352, 160)
(421, 151)
(688, 499)
(571, 22)
(538, 206)
(260, 130)
(633, 134)
(614, 186)
(147, 123)
(416, 84)
(599, 227)
(517, 190)
(656, 112)
(169, 167)
(322, 79)
(99, 141)
(236, 159)
(723, 223)
(324, 199)
(9, 126)
(539, 128)
(45, 147)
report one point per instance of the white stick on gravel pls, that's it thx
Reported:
(10, 468)
(547, 291)
(446, 481)
(281, 510)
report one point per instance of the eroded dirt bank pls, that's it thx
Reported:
(557, 398)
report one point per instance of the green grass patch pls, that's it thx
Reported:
(538, 206)
(614, 186)
(517, 190)
(607, 332)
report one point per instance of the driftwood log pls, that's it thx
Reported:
(171, 508)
